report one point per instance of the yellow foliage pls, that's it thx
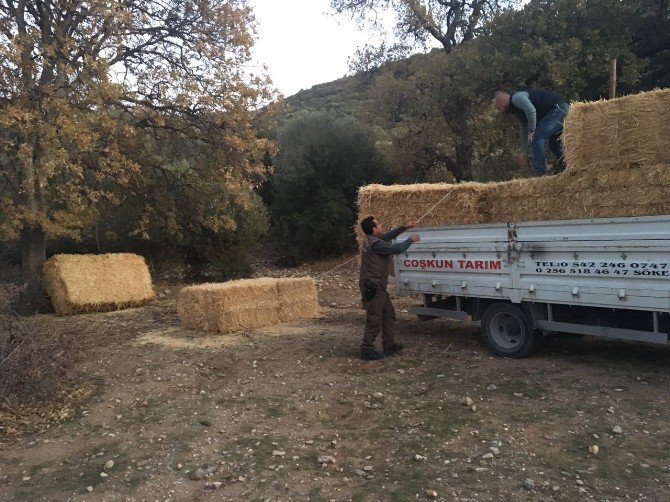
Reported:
(89, 113)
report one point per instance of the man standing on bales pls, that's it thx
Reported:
(541, 114)
(375, 254)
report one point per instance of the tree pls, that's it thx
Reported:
(101, 96)
(563, 45)
(449, 22)
(651, 39)
(322, 161)
(414, 131)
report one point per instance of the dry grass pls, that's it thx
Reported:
(177, 338)
(80, 284)
(35, 364)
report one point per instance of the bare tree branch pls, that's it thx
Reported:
(450, 22)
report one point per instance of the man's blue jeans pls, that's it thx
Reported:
(549, 130)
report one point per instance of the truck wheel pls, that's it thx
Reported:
(507, 331)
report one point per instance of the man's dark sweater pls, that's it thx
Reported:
(375, 254)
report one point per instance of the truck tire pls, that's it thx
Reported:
(508, 331)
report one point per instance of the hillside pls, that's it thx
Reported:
(345, 94)
(351, 95)
(402, 103)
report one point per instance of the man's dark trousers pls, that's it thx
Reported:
(380, 317)
(549, 130)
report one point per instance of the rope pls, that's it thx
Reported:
(436, 204)
(416, 222)
(335, 268)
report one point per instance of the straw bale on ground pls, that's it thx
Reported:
(97, 283)
(297, 299)
(246, 303)
(625, 132)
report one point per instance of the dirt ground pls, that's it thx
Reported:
(254, 412)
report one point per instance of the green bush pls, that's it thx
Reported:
(229, 251)
(322, 162)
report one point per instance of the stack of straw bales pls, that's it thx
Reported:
(618, 157)
(97, 283)
(247, 303)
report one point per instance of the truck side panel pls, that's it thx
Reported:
(611, 262)
(619, 263)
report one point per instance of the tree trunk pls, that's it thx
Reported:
(457, 118)
(463, 161)
(33, 256)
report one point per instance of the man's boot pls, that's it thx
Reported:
(392, 350)
(371, 355)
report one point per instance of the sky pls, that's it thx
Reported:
(303, 43)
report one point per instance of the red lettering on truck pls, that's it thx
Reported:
(480, 264)
(462, 264)
(428, 263)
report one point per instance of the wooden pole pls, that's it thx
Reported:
(613, 78)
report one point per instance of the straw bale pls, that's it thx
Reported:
(230, 306)
(246, 303)
(518, 200)
(618, 157)
(97, 283)
(640, 191)
(626, 132)
(627, 192)
(396, 204)
(297, 298)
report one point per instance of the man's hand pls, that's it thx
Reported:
(415, 237)
(410, 224)
(531, 134)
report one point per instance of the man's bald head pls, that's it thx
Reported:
(501, 102)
